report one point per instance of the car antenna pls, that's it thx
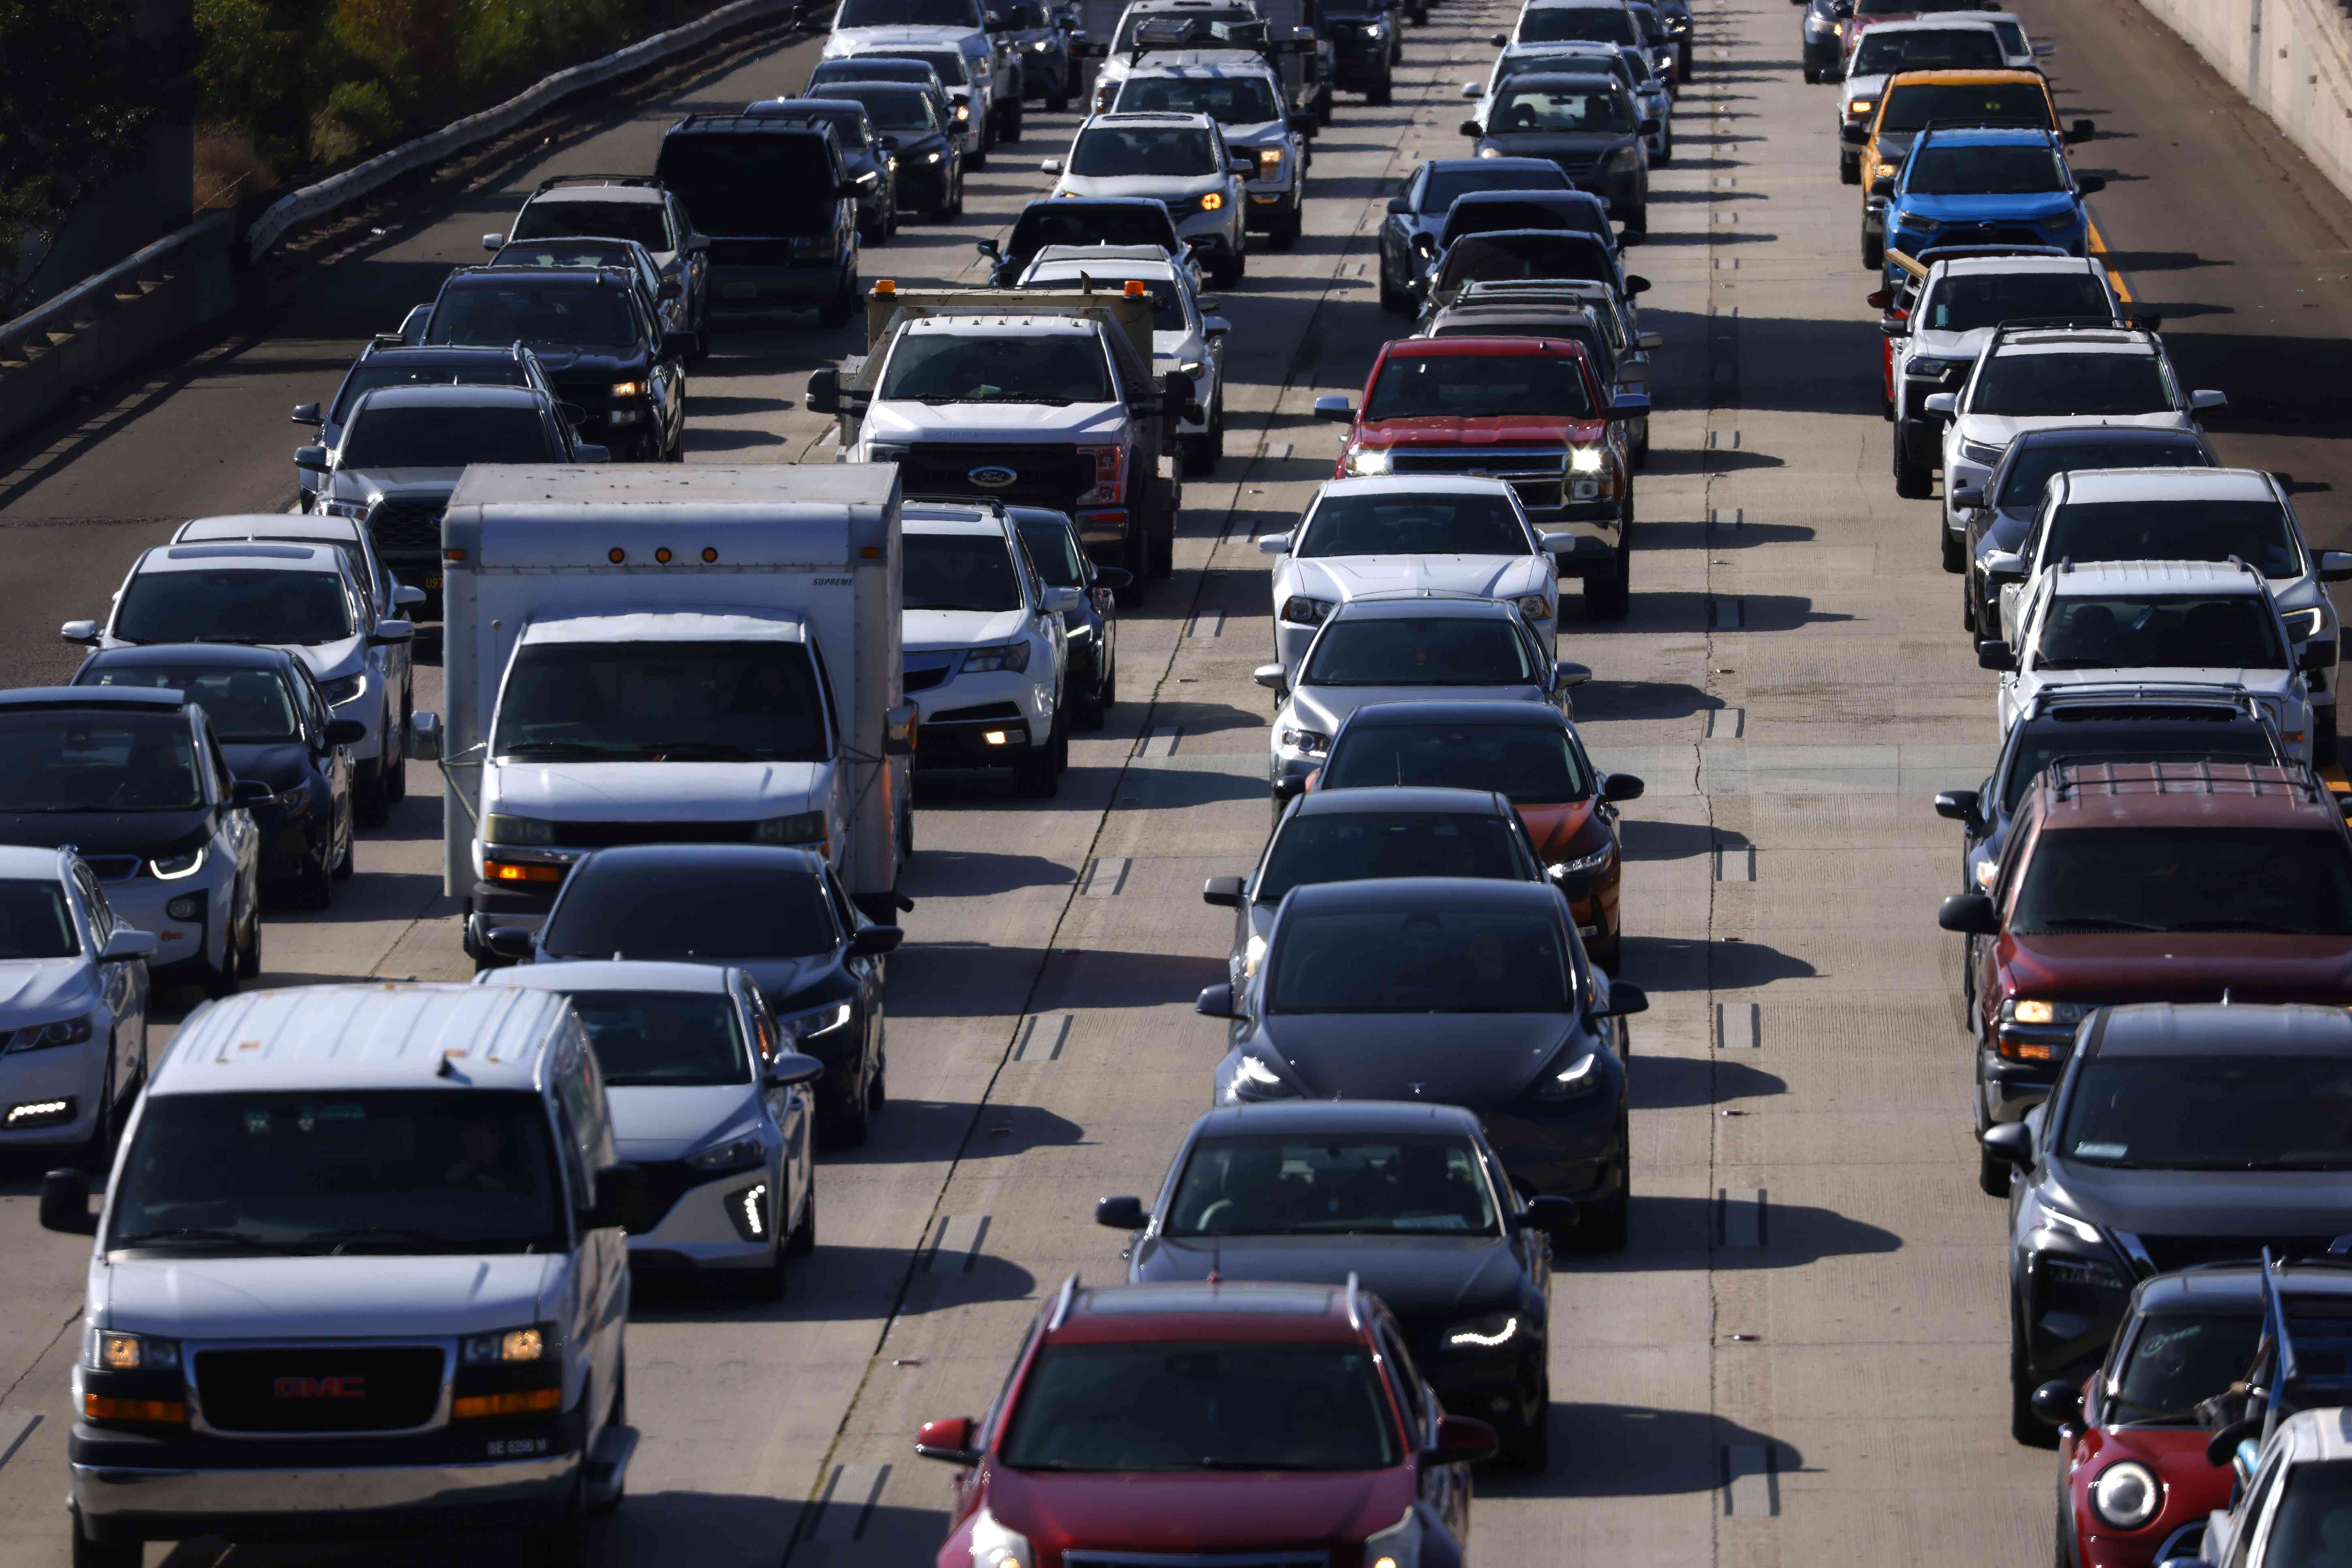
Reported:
(1216, 1263)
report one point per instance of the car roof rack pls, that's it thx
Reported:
(645, 182)
(2007, 329)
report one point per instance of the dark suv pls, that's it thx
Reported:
(2143, 882)
(780, 206)
(389, 361)
(597, 337)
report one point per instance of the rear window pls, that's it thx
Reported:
(1561, 24)
(491, 310)
(641, 221)
(1531, 764)
(771, 183)
(1443, 187)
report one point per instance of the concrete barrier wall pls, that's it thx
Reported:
(2291, 58)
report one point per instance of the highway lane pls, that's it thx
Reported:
(1811, 1300)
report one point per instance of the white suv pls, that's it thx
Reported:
(1181, 160)
(983, 649)
(1183, 337)
(1243, 95)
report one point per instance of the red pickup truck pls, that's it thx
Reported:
(1532, 412)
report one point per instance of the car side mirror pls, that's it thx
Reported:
(948, 1440)
(2336, 565)
(405, 597)
(1650, 126)
(389, 634)
(677, 345)
(898, 731)
(424, 736)
(248, 792)
(1471, 92)
(1635, 285)
(1894, 327)
(873, 942)
(1049, 166)
(572, 413)
(2010, 1143)
(2207, 400)
(1556, 543)
(1273, 545)
(789, 1068)
(312, 458)
(1463, 1440)
(2058, 1402)
(1995, 655)
(1879, 298)
(1400, 207)
(1883, 186)
(1648, 342)
(620, 1201)
(1058, 601)
(1335, 407)
(823, 392)
(669, 290)
(1554, 1216)
(1472, 128)
(1500, 41)
(1625, 1000)
(1970, 914)
(2316, 658)
(2089, 184)
(125, 945)
(1425, 243)
(508, 942)
(349, 733)
(1269, 676)
(494, 242)
(1215, 1002)
(1246, 167)
(1956, 805)
(1616, 788)
(1177, 394)
(2082, 131)
(1121, 1214)
(1225, 892)
(1114, 578)
(988, 248)
(1565, 674)
(308, 414)
(1214, 326)
(1944, 402)
(1629, 405)
(64, 1203)
(1968, 497)
(84, 633)
(1854, 134)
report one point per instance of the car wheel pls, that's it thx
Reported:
(771, 1279)
(1529, 1447)
(955, 209)
(1287, 228)
(1011, 133)
(1089, 709)
(97, 1153)
(1038, 775)
(1200, 457)
(1395, 301)
(1992, 1175)
(1969, 595)
(1639, 222)
(1665, 147)
(856, 1124)
(1873, 251)
(1602, 1229)
(370, 806)
(248, 953)
(349, 862)
(2023, 1424)
(837, 311)
(1057, 102)
(1163, 557)
(1849, 168)
(1914, 480)
(1380, 93)
(1608, 592)
(801, 1240)
(1953, 547)
(314, 881)
(89, 1554)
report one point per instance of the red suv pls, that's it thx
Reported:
(1286, 1421)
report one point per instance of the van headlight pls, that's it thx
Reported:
(108, 1350)
(800, 828)
(532, 1342)
(499, 828)
(172, 868)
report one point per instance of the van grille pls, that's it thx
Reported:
(321, 1388)
(1043, 475)
(604, 835)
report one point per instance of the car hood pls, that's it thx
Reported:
(1271, 133)
(1553, 144)
(1967, 208)
(1346, 576)
(1488, 1057)
(35, 990)
(1197, 1510)
(106, 832)
(1863, 86)
(1322, 707)
(665, 1122)
(2184, 966)
(861, 40)
(2279, 683)
(405, 484)
(1169, 188)
(928, 631)
(1492, 430)
(650, 791)
(1927, 345)
(987, 422)
(1417, 1275)
(1554, 827)
(350, 1298)
(2001, 430)
(329, 660)
(2250, 1203)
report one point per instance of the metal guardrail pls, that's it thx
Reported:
(80, 305)
(314, 202)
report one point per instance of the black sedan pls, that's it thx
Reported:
(274, 726)
(916, 130)
(2180, 1135)
(1406, 1198)
(1452, 992)
(1091, 685)
(781, 915)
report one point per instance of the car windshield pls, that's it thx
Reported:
(1228, 101)
(848, 124)
(1563, 24)
(893, 110)
(382, 1171)
(403, 438)
(1884, 53)
(1536, 108)
(1512, 257)
(34, 923)
(2258, 532)
(2055, 385)
(653, 911)
(1334, 1184)
(1529, 765)
(1984, 169)
(869, 68)
(640, 221)
(235, 604)
(907, 14)
(1915, 105)
(2266, 881)
(1964, 302)
(1912, 7)
(2178, 1361)
(1451, 652)
(1055, 554)
(1388, 523)
(2216, 736)
(2235, 631)
(1479, 386)
(1042, 224)
(664, 1038)
(2313, 1521)
(246, 706)
(2031, 469)
(97, 762)
(1358, 847)
(2232, 1112)
(369, 374)
(1167, 305)
(749, 700)
(1445, 186)
(1419, 961)
(538, 312)
(958, 572)
(1052, 368)
(1175, 152)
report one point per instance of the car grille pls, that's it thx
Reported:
(1043, 476)
(113, 867)
(406, 527)
(1080, 1557)
(1534, 472)
(1986, 234)
(321, 1388)
(666, 1181)
(1181, 208)
(1577, 165)
(604, 835)
(922, 674)
(2170, 1252)
(979, 714)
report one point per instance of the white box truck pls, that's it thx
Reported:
(657, 654)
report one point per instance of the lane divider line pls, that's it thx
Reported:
(1042, 1037)
(1726, 723)
(1105, 878)
(1750, 1487)
(848, 1501)
(957, 1244)
(1735, 863)
(1738, 1025)
(1743, 1216)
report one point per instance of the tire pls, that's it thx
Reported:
(2323, 736)
(1992, 1175)
(89, 1554)
(371, 805)
(1604, 1229)
(1849, 168)
(248, 955)
(559, 1545)
(1969, 597)
(395, 768)
(1039, 774)
(1665, 146)
(1609, 592)
(772, 1279)
(1395, 301)
(837, 311)
(2023, 1424)
(1161, 554)
(801, 1240)
(1529, 1447)
(1885, 406)
(1955, 549)
(222, 981)
(1090, 709)
(855, 1124)
(314, 883)
(95, 1154)
(1639, 222)
(1057, 102)
(1009, 131)
(1285, 232)
(1813, 77)
(1914, 480)
(1382, 93)
(1874, 252)
(1200, 455)
(349, 863)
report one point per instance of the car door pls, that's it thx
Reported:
(121, 982)
(867, 972)
(788, 1106)
(333, 763)
(239, 836)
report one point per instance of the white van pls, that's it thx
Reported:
(360, 1271)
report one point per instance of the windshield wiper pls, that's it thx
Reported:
(342, 1238)
(723, 749)
(1037, 397)
(1212, 1462)
(975, 609)
(2094, 923)
(2264, 926)
(532, 750)
(200, 1236)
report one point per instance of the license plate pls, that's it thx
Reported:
(433, 584)
(738, 291)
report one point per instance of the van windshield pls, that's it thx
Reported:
(749, 700)
(1057, 368)
(341, 1171)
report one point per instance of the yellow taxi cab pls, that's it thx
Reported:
(1913, 100)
